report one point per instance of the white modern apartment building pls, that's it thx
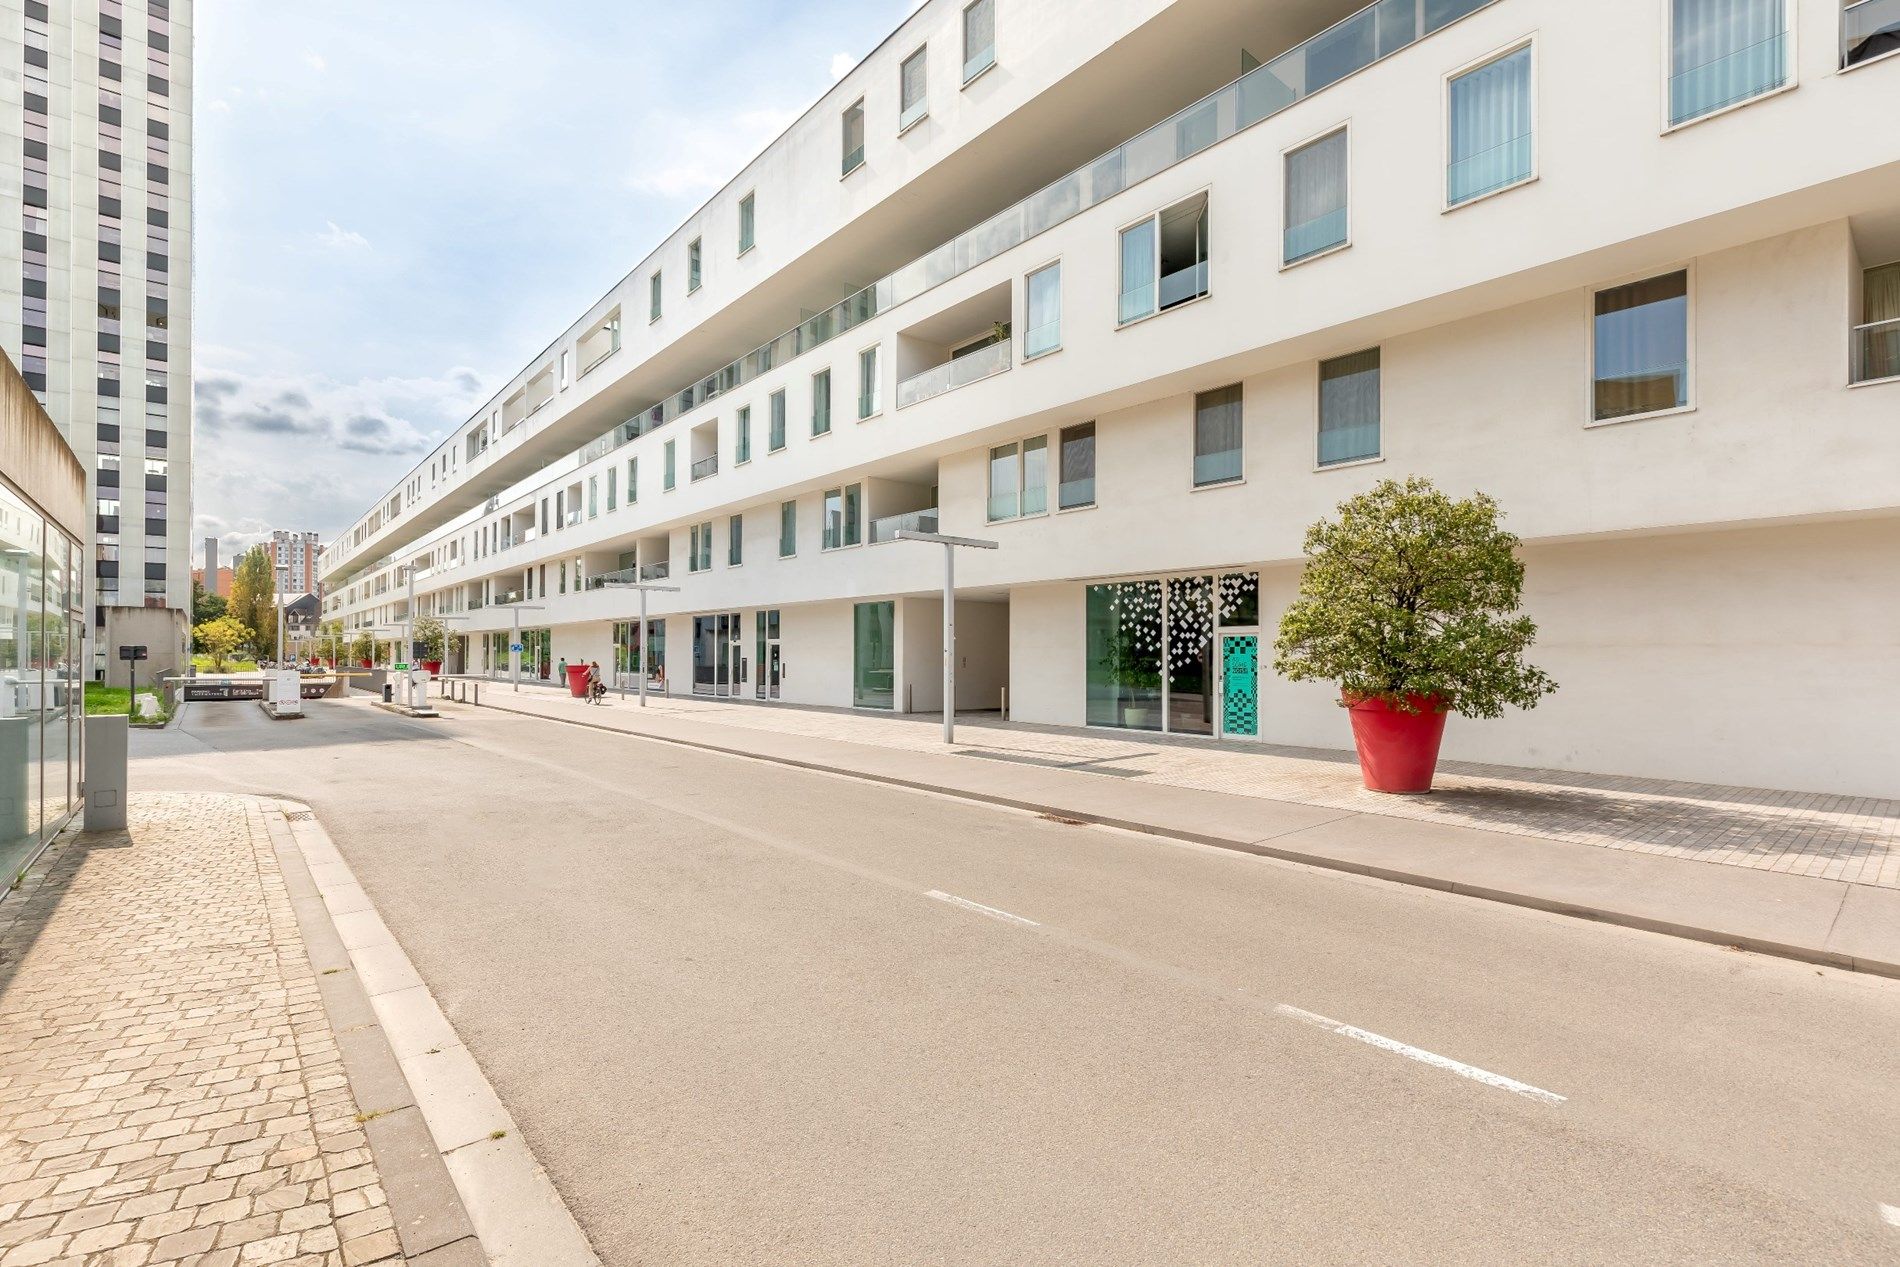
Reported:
(1139, 289)
(95, 268)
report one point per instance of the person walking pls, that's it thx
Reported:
(560, 671)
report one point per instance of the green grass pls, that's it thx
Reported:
(114, 700)
(203, 663)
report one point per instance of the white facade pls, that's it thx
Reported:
(297, 553)
(95, 268)
(1622, 266)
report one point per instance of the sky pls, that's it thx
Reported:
(398, 204)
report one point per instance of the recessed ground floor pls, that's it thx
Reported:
(1758, 657)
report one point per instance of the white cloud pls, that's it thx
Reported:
(339, 238)
(841, 64)
(315, 61)
(700, 150)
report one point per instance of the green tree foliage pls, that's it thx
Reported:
(1411, 593)
(432, 635)
(205, 605)
(219, 638)
(362, 648)
(254, 599)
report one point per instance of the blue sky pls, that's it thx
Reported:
(400, 203)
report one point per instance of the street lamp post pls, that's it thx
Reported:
(514, 643)
(283, 579)
(607, 581)
(950, 545)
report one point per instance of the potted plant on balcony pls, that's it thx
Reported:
(1409, 602)
(430, 636)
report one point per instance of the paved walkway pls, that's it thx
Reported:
(170, 1086)
(1830, 837)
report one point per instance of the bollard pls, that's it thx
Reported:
(389, 692)
(105, 772)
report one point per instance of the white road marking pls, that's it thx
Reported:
(1890, 1214)
(980, 909)
(1422, 1056)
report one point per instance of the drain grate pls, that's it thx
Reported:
(299, 815)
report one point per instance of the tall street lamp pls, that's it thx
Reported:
(613, 580)
(950, 546)
(514, 643)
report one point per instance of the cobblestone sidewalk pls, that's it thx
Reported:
(170, 1088)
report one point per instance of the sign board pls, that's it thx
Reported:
(132, 653)
(403, 667)
(514, 646)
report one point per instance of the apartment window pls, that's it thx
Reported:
(564, 370)
(1042, 311)
(1315, 198)
(1217, 450)
(979, 38)
(854, 136)
(668, 474)
(868, 402)
(1164, 260)
(1641, 348)
(1349, 408)
(653, 298)
(913, 98)
(1019, 479)
(593, 496)
(821, 402)
(1877, 338)
(561, 584)
(1491, 128)
(735, 540)
(1076, 452)
(843, 516)
(742, 446)
(633, 480)
(747, 223)
(775, 423)
(1869, 30)
(787, 529)
(1723, 52)
(699, 548)
(613, 476)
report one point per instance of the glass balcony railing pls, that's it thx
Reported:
(1322, 233)
(887, 528)
(973, 367)
(1877, 351)
(1869, 29)
(656, 571)
(1042, 339)
(704, 467)
(1184, 284)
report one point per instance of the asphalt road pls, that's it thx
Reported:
(746, 1014)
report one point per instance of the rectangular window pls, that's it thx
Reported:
(692, 266)
(867, 383)
(874, 655)
(843, 511)
(1877, 338)
(593, 496)
(747, 222)
(653, 299)
(742, 447)
(1868, 31)
(1042, 311)
(1077, 487)
(633, 480)
(787, 529)
(613, 479)
(1722, 52)
(1349, 408)
(1315, 198)
(1019, 479)
(1217, 443)
(735, 541)
(693, 546)
(821, 402)
(1491, 133)
(914, 100)
(854, 136)
(1641, 348)
(775, 422)
(563, 370)
(1164, 260)
(979, 38)
(667, 475)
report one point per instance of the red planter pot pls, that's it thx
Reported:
(366, 664)
(433, 666)
(577, 680)
(1398, 751)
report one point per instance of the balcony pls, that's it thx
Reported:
(1877, 351)
(1869, 29)
(656, 571)
(887, 528)
(705, 466)
(972, 367)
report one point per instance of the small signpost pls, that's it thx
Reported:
(132, 655)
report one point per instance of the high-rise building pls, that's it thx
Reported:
(209, 571)
(298, 553)
(95, 270)
(1155, 285)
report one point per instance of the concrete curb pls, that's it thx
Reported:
(462, 1184)
(1879, 963)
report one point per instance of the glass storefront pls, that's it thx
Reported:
(628, 651)
(874, 655)
(1152, 660)
(535, 644)
(719, 661)
(40, 699)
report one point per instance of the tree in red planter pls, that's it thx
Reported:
(1409, 602)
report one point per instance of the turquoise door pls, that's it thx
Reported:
(1240, 685)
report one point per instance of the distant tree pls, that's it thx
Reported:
(219, 638)
(362, 648)
(254, 599)
(205, 606)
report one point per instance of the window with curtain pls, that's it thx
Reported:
(693, 260)
(1217, 436)
(979, 38)
(747, 209)
(867, 382)
(742, 447)
(821, 402)
(1315, 198)
(1642, 347)
(1077, 475)
(668, 472)
(1349, 408)
(1877, 342)
(1722, 52)
(1490, 128)
(775, 432)
(787, 529)
(913, 99)
(1042, 311)
(735, 540)
(1138, 266)
(854, 136)
(653, 298)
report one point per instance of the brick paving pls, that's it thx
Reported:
(170, 1088)
(1846, 838)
